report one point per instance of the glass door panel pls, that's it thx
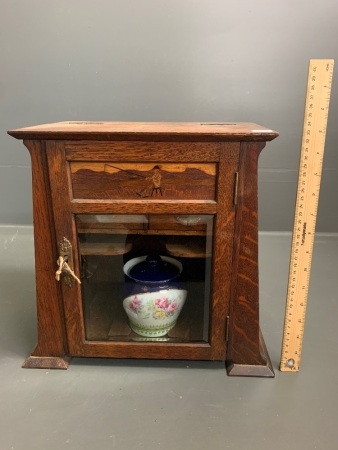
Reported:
(146, 277)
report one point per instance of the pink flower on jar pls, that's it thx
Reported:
(172, 307)
(162, 302)
(135, 304)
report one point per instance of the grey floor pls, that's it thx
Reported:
(109, 404)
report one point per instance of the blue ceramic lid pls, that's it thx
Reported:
(154, 269)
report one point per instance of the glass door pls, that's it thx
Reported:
(146, 277)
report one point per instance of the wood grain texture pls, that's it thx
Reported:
(65, 227)
(152, 181)
(192, 131)
(142, 151)
(183, 223)
(104, 248)
(110, 223)
(147, 350)
(50, 315)
(244, 334)
(223, 249)
(143, 206)
(143, 224)
(253, 370)
(47, 362)
(187, 247)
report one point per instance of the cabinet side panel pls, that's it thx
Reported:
(51, 331)
(223, 247)
(244, 346)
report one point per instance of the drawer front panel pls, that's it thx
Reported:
(151, 181)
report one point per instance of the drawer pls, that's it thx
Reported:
(150, 181)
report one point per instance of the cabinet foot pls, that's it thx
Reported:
(47, 362)
(264, 369)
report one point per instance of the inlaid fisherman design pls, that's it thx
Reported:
(153, 186)
(143, 180)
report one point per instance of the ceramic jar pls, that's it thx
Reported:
(155, 294)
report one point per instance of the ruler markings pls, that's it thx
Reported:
(309, 177)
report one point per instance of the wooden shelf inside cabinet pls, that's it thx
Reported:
(183, 247)
(105, 193)
(193, 225)
(111, 223)
(191, 247)
(102, 244)
(101, 248)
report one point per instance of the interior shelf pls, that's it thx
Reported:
(104, 248)
(184, 247)
(153, 224)
(187, 247)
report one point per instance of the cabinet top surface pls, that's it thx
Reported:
(76, 130)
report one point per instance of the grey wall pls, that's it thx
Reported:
(177, 60)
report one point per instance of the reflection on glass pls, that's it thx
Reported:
(146, 277)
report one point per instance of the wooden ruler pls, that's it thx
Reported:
(310, 170)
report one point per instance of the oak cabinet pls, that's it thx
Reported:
(107, 192)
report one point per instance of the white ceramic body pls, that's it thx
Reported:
(153, 314)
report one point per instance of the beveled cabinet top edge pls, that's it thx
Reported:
(105, 131)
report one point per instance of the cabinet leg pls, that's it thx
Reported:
(52, 338)
(47, 362)
(263, 369)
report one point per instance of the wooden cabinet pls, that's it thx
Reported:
(107, 192)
